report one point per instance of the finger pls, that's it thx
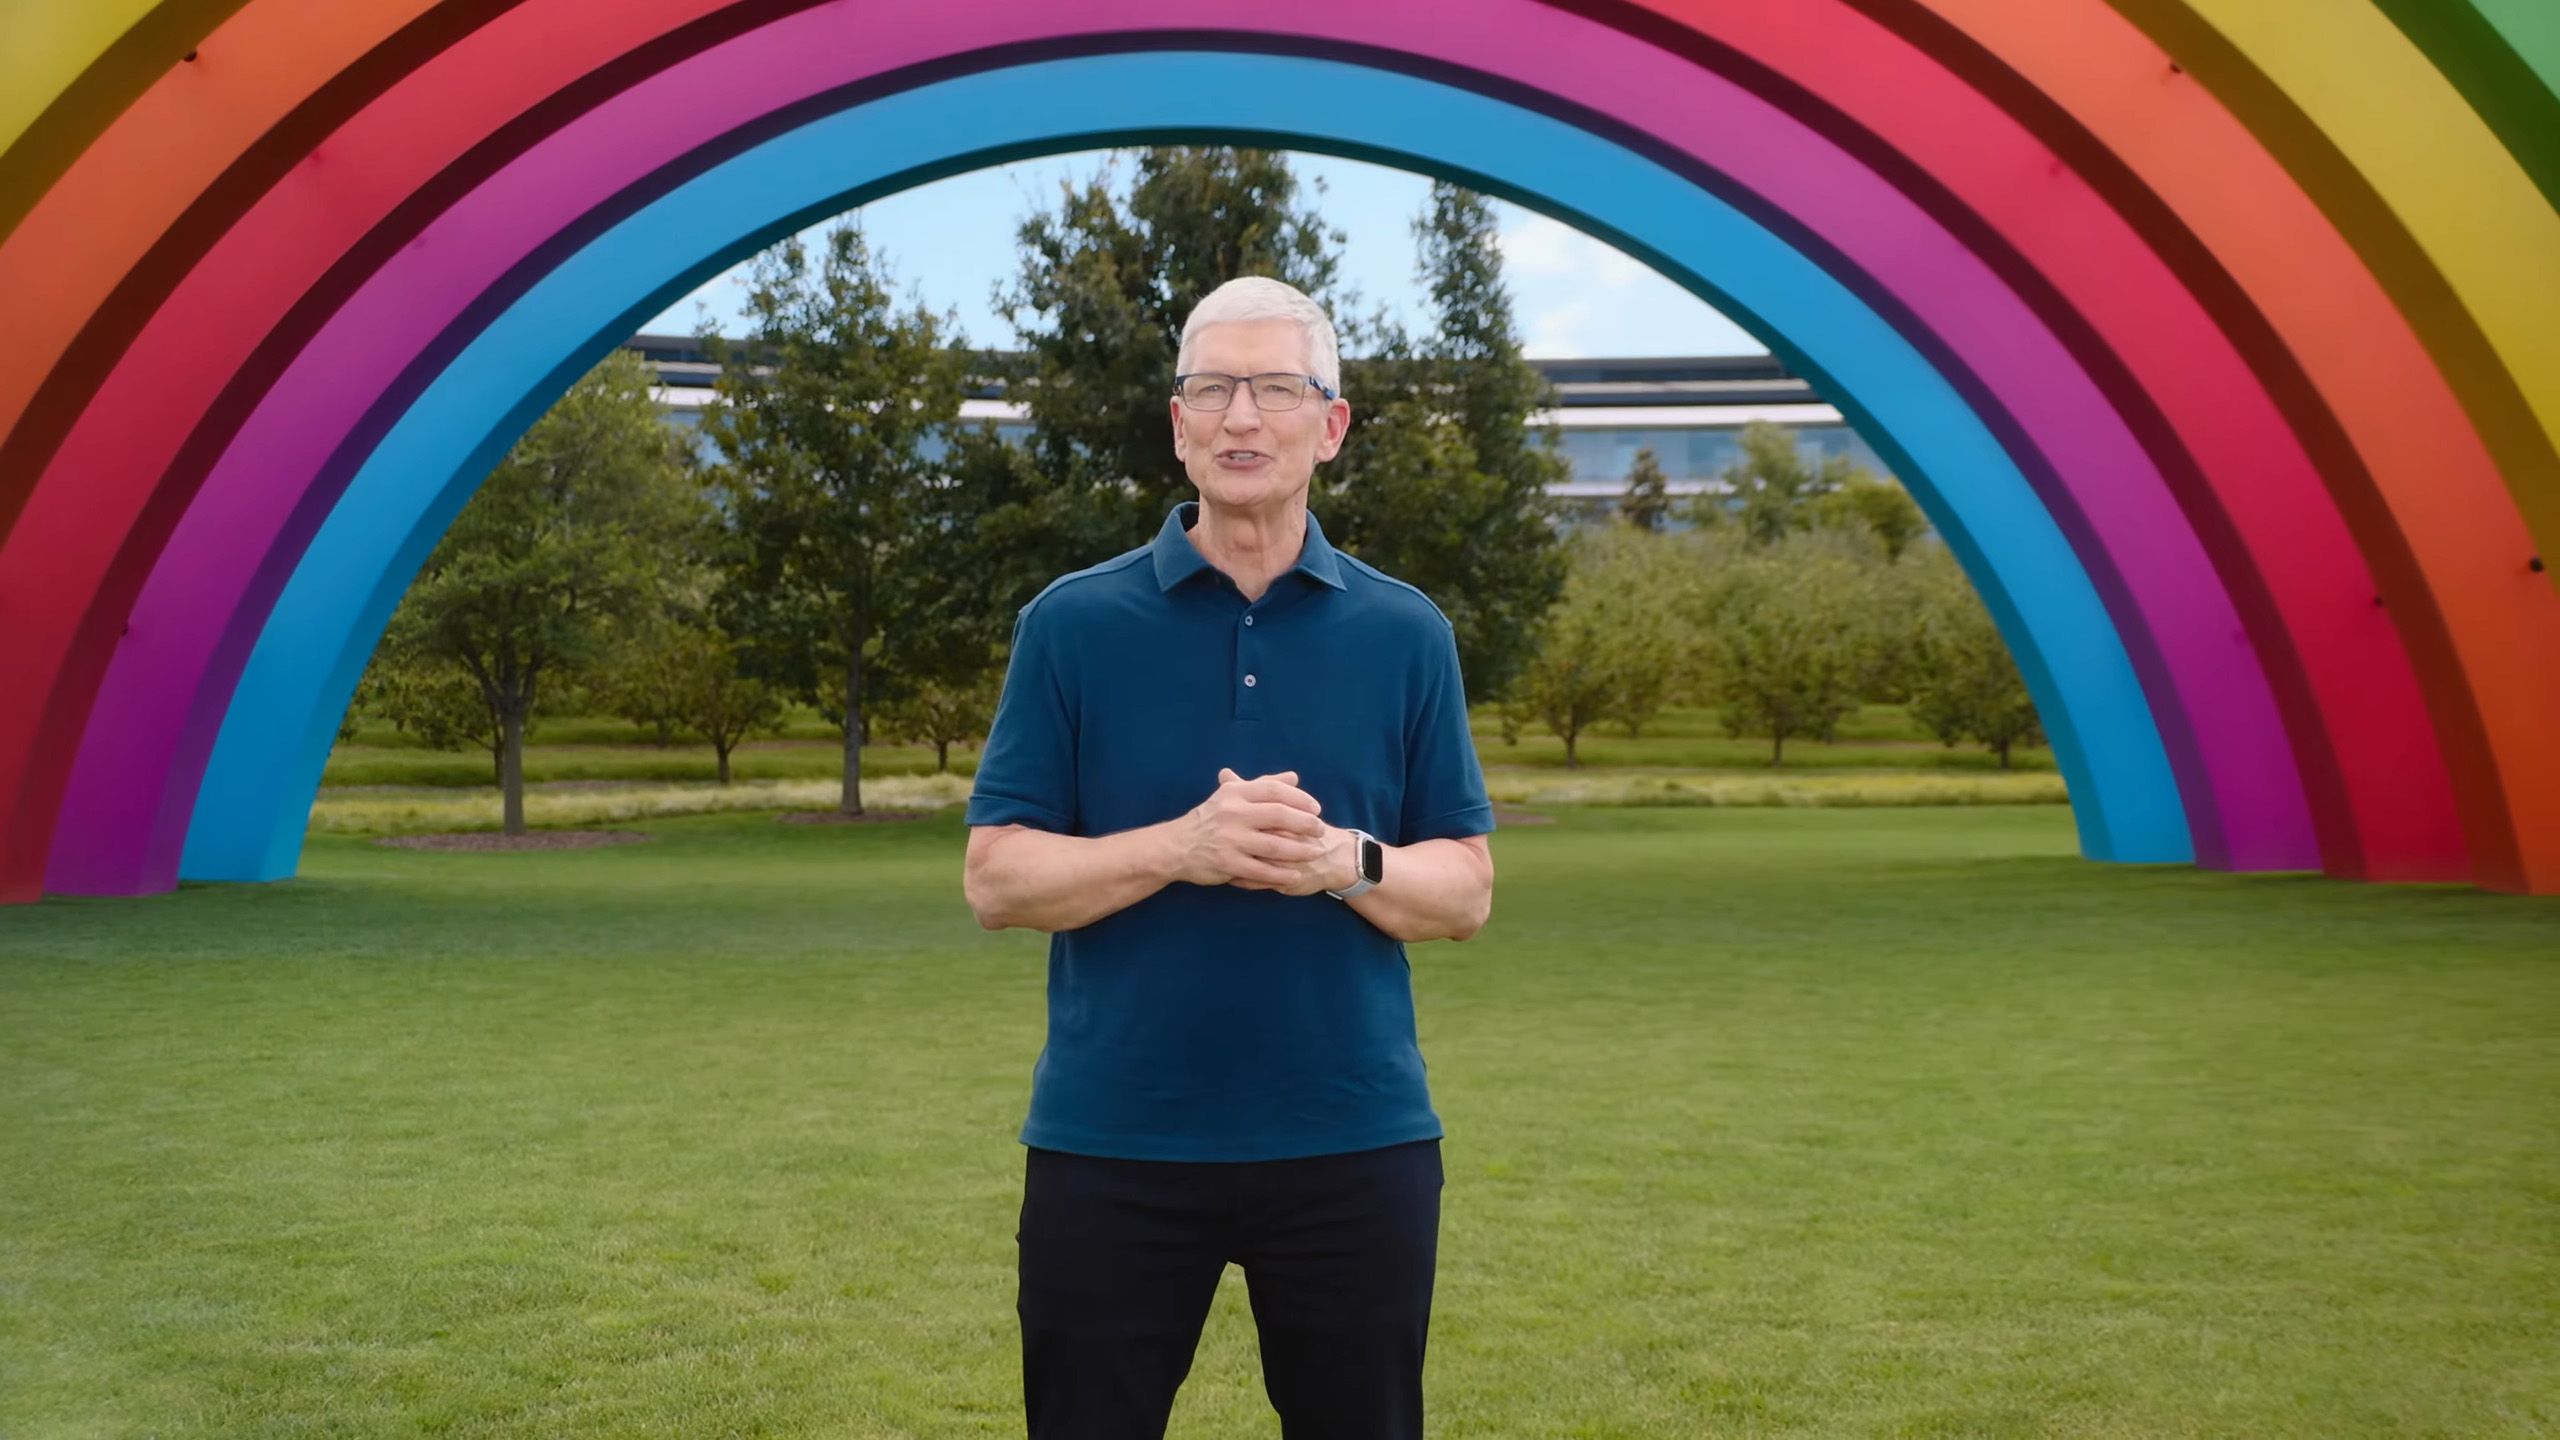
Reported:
(1274, 848)
(1287, 849)
(1273, 788)
(1283, 818)
(1265, 861)
(1227, 776)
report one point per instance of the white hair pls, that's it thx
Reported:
(1257, 297)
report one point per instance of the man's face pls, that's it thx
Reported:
(1241, 457)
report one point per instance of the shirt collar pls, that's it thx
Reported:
(1177, 559)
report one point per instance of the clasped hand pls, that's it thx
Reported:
(1264, 834)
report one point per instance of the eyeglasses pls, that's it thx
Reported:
(1208, 390)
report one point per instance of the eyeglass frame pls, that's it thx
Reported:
(1245, 382)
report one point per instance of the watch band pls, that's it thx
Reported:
(1369, 860)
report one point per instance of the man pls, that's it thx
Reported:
(1231, 1073)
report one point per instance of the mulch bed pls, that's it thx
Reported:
(495, 840)
(838, 817)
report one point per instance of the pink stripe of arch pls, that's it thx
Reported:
(197, 607)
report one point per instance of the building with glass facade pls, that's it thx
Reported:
(1688, 410)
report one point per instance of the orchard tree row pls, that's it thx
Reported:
(1793, 594)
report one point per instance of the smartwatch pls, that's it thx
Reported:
(1372, 865)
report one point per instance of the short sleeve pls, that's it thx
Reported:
(1027, 774)
(1444, 792)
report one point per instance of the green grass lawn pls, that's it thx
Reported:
(1761, 1122)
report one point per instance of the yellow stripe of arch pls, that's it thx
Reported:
(45, 44)
(2476, 218)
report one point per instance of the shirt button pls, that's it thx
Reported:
(1248, 620)
(1248, 682)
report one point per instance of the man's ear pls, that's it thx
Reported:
(1174, 406)
(1337, 425)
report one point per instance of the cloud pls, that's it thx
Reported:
(1540, 245)
(1557, 332)
(1615, 268)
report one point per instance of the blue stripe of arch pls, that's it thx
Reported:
(255, 801)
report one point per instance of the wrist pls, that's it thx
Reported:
(1361, 864)
(1343, 859)
(1167, 857)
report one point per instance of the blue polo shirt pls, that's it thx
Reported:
(1207, 1022)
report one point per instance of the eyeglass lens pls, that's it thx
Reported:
(1270, 392)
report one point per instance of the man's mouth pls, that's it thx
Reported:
(1241, 457)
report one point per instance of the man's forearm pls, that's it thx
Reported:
(1039, 880)
(1045, 881)
(1433, 890)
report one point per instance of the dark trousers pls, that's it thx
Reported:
(1121, 1258)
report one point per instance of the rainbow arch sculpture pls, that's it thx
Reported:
(2234, 384)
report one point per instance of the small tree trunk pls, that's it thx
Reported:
(1777, 747)
(1569, 761)
(941, 757)
(723, 752)
(511, 770)
(851, 803)
(2004, 754)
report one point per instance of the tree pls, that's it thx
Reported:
(1567, 683)
(1616, 647)
(1900, 596)
(1867, 504)
(839, 528)
(1967, 685)
(1099, 304)
(942, 714)
(1444, 483)
(682, 676)
(433, 700)
(560, 547)
(1650, 587)
(722, 704)
(1771, 489)
(1647, 502)
(642, 681)
(1003, 529)
(1787, 639)
(1407, 495)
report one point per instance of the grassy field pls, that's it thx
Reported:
(1764, 1122)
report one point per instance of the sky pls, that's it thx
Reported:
(951, 243)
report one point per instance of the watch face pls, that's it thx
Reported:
(1373, 861)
